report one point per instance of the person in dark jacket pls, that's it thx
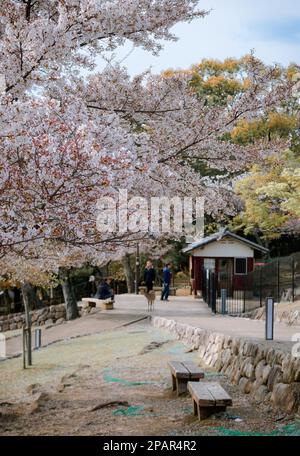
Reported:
(166, 282)
(149, 276)
(104, 291)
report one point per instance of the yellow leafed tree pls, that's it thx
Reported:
(271, 195)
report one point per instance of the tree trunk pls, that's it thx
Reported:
(262, 242)
(105, 269)
(30, 297)
(27, 293)
(69, 295)
(128, 273)
(7, 300)
(17, 301)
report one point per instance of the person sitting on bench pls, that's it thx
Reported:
(104, 291)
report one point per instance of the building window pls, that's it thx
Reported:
(209, 263)
(240, 266)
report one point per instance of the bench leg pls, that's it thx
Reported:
(195, 408)
(205, 412)
(181, 386)
(173, 383)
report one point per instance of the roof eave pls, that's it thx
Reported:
(219, 236)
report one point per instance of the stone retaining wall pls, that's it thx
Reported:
(268, 374)
(290, 317)
(45, 316)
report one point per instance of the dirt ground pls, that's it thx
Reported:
(118, 383)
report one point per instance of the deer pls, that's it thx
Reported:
(150, 296)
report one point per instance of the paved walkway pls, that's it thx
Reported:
(182, 309)
(196, 313)
(91, 324)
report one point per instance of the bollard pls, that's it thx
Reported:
(223, 300)
(269, 318)
(37, 339)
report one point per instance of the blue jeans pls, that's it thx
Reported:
(108, 295)
(166, 291)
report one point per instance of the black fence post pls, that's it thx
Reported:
(223, 301)
(208, 287)
(260, 286)
(204, 289)
(213, 292)
(278, 280)
(293, 278)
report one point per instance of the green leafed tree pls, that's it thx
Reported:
(271, 196)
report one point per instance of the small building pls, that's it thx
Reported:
(229, 256)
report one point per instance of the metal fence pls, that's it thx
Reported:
(220, 295)
(279, 278)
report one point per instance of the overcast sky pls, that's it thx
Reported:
(233, 28)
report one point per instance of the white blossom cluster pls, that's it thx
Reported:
(67, 140)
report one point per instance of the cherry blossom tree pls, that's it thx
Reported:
(42, 47)
(71, 134)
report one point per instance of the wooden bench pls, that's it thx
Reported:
(182, 372)
(104, 304)
(208, 398)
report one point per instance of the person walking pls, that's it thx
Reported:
(149, 275)
(166, 282)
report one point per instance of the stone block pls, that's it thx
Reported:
(270, 356)
(236, 345)
(235, 376)
(5, 326)
(261, 393)
(275, 376)
(259, 369)
(265, 374)
(249, 371)
(286, 397)
(245, 385)
(49, 322)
